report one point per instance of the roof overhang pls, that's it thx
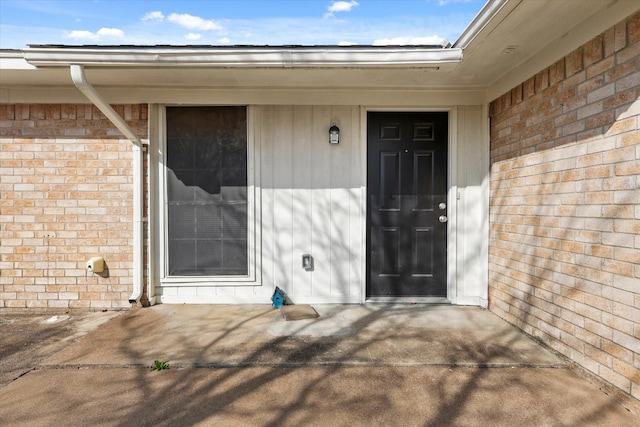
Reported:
(506, 43)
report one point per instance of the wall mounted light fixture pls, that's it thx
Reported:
(334, 134)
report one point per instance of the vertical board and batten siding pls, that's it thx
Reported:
(472, 222)
(469, 208)
(311, 202)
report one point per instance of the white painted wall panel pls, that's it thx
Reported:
(321, 202)
(303, 162)
(265, 135)
(357, 206)
(281, 171)
(311, 202)
(472, 207)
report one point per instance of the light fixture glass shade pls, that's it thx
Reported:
(334, 134)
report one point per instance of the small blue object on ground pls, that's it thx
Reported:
(279, 298)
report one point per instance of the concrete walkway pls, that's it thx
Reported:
(396, 365)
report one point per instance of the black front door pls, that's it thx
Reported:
(406, 204)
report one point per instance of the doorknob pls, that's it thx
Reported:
(443, 218)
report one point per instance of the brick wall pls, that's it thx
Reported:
(66, 184)
(564, 261)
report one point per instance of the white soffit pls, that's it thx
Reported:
(522, 37)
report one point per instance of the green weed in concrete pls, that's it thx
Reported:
(159, 365)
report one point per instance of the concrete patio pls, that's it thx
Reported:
(354, 365)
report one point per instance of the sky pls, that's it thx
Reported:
(239, 22)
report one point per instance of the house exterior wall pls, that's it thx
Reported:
(66, 182)
(564, 245)
(310, 199)
(65, 178)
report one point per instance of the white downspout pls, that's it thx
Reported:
(80, 80)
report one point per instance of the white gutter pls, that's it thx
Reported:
(245, 57)
(80, 80)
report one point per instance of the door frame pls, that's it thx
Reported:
(452, 198)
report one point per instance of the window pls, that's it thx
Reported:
(206, 191)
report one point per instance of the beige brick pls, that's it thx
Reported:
(617, 351)
(53, 303)
(627, 370)
(593, 50)
(617, 267)
(614, 378)
(620, 36)
(573, 62)
(628, 168)
(36, 304)
(629, 82)
(528, 88)
(618, 211)
(594, 353)
(626, 341)
(68, 295)
(15, 303)
(626, 197)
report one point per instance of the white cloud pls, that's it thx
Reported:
(153, 16)
(193, 22)
(412, 41)
(224, 40)
(81, 35)
(110, 32)
(346, 43)
(193, 36)
(340, 6)
(100, 34)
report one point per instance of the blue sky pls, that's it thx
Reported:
(240, 22)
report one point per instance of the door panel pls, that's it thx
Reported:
(389, 181)
(406, 181)
(422, 251)
(389, 251)
(423, 170)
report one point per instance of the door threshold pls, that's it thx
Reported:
(408, 300)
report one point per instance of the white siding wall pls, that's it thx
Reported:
(310, 200)
(471, 222)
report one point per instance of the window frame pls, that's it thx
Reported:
(249, 279)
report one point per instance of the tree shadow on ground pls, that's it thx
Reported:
(299, 379)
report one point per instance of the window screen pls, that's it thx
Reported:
(207, 191)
